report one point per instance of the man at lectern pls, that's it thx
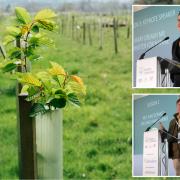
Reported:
(175, 71)
(174, 144)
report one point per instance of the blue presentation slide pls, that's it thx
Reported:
(150, 26)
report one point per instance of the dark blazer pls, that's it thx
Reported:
(175, 56)
(174, 147)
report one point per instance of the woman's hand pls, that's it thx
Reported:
(161, 127)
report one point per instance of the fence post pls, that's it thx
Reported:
(100, 35)
(84, 33)
(117, 28)
(89, 33)
(115, 35)
(26, 133)
(128, 31)
(76, 31)
(73, 20)
(62, 25)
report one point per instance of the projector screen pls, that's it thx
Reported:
(150, 26)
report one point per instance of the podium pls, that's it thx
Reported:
(151, 153)
(154, 154)
(153, 72)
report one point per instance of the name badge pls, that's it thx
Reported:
(178, 137)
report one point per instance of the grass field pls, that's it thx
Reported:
(96, 136)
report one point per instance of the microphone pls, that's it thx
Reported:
(142, 55)
(155, 122)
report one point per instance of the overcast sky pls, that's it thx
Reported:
(55, 1)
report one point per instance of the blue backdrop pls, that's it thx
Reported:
(152, 25)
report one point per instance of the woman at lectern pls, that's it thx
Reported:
(173, 134)
(175, 71)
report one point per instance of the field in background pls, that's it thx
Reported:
(97, 136)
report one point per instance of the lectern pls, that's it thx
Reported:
(152, 153)
(155, 154)
(153, 72)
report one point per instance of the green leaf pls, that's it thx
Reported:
(46, 24)
(56, 69)
(22, 15)
(15, 53)
(34, 41)
(45, 14)
(33, 97)
(73, 99)
(9, 67)
(30, 79)
(36, 109)
(43, 75)
(13, 31)
(24, 89)
(60, 92)
(8, 39)
(35, 29)
(34, 57)
(58, 103)
(77, 86)
(29, 51)
(32, 90)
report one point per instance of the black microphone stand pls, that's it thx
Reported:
(154, 123)
(142, 55)
(169, 134)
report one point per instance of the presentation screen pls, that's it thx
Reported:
(150, 26)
